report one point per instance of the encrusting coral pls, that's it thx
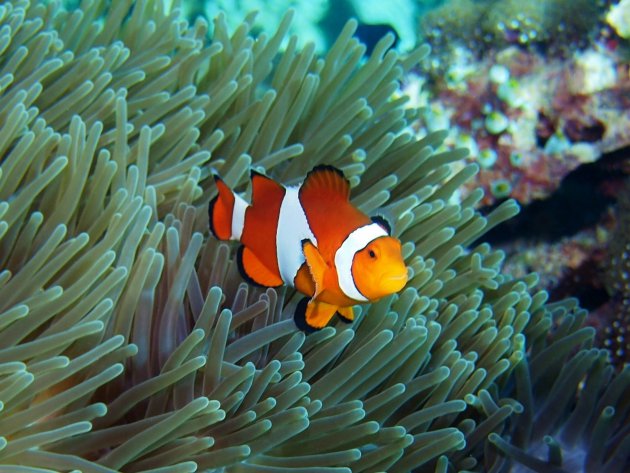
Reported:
(615, 333)
(557, 25)
(128, 342)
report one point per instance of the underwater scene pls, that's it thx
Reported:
(315, 236)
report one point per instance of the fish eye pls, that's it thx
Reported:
(372, 254)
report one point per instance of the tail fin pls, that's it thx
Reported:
(226, 213)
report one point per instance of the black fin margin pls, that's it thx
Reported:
(345, 320)
(299, 317)
(327, 167)
(211, 205)
(383, 222)
(241, 269)
(253, 173)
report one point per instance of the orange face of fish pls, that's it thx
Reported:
(378, 269)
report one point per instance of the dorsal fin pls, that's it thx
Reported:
(326, 181)
(264, 189)
(221, 210)
(383, 222)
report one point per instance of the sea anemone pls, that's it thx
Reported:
(128, 340)
(576, 410)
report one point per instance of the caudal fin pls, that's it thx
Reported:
(226, 213)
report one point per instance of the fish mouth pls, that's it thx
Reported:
(393, 282)
(396, 277)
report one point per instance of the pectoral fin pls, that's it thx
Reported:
(312, 315)
(316, 265)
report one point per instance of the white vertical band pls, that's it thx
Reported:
(238, 217)
(292, 228)
(356, 241)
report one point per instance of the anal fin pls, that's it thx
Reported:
(221, 211)
(254, 271)
(346, 314)
(313, 315)
(299, 316)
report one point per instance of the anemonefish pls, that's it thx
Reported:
(312, 238)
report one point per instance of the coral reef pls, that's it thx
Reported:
(484, 25)
(618, 17)
(528, 119)
(129, 342)
(533, 116)
(615, 332)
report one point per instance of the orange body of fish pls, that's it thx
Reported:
(310, 237)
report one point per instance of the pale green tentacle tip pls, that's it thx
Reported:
(554, 454)
(397, 389)
(608, 412)
(185, 467)
(511, 207)
(271, 402)
(398, 431)
(474, 401)
(220, 414)
(460, 441)
(274, 365)
(132, 349)
(115, 340)
(198, 404)
(116, 369)
(80, 427)
(213, 405)
(443, 372)
(99, 409)
(372, 427)
(20, 311)
(93, 327)
(199, 361)
(408, 440)
(495, 438)
(315, 406)
(442, 464)
(299, 413)
(197, 335)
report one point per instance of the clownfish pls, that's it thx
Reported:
(312, 238)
